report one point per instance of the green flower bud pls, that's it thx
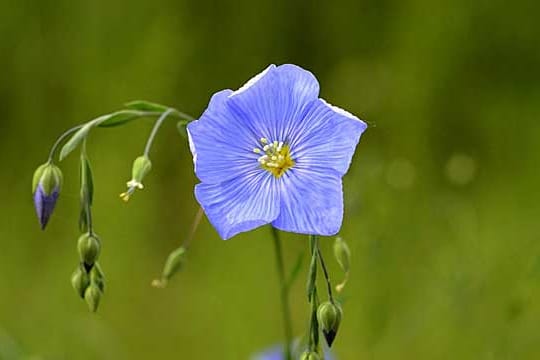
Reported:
(172, 265)
(141, 167)
(174, 262)
(92, 296)
(49, 176)
(80, 280)
(310, 355)
(89, 248)
(329, 317)
(342, 253)
(97, 277)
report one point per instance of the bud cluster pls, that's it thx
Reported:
(88, 279)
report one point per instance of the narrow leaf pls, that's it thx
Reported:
(143, 105)
(87, 180)
(86, 191)
(75, 140)
(83, 221)
(120, 118)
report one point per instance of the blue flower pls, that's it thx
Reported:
(276, 353)
(46, 189)
(273, 152)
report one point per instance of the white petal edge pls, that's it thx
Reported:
(252, 81)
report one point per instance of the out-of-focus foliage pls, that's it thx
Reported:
(442, 199)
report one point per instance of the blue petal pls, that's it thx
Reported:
(222, 146)
(326, 137)
(240, 204)
(273, 101)
(45, 204)
(311, 201)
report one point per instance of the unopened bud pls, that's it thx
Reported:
(97, 277)
(172, 265)
(92, 296)
(141, 167)
(89, 248)
(46, 185)
(310, 355)
(329, 317)
(80, 280)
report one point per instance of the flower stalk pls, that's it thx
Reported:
(284, 295)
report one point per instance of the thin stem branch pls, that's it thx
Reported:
(155, 130)
(326, 276)
(194, 226)
(60, 139)
(287, 323)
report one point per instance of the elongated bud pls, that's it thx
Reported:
(89, 247)
(46, 185)
(172, 265)
(310, 355)
(80, 280)
(141, 167)
(329, 317)
(92, 296)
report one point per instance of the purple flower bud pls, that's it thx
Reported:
(46, 188)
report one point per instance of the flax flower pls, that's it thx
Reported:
(273, 152)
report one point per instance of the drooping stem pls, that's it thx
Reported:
(155, 130)
(61, 138)
(284, 295)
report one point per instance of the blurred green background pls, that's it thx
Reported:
(442, 199)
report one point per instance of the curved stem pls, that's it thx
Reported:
(61, 138)
(287, 323)
(183, 115)
(155, 130)
(194, 226)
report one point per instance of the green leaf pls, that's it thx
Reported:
(83, 221)
(86, 191)
(143, 105)
(76, 139)
(120, 118)
(87, 180)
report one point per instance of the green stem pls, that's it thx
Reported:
(86, 199)
(287, 323)
(313, 333)
(155, 130)
(61, 138)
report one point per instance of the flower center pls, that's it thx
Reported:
(275, 156)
